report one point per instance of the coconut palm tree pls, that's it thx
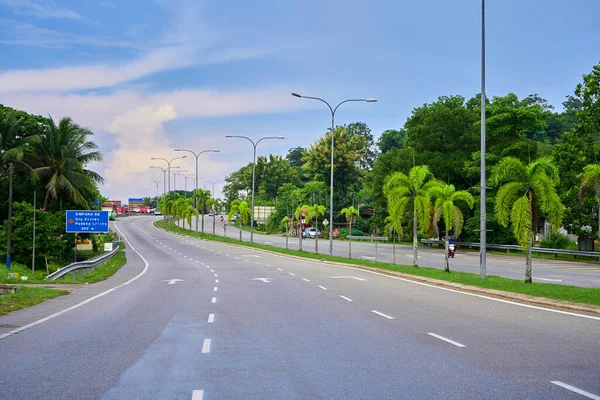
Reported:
(60, 158)
(444, 207)
(394, 226)
(301, 211)
(285, 222)
(202, 197)
(350, 214)
(524, 190)
(401, 189)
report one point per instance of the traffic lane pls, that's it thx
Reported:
(284, 340)
(523, 372)
(482, 323)
(548, 271)
(99, 340)
(82, 292)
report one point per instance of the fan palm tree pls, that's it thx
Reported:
(349, 213)
(401, 189)
(444, 207)
(525, 188)
(60, 159)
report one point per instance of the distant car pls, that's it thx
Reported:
(157, 212)
(311, 233)
(211, 214)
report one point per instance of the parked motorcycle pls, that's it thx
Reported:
(451, 250)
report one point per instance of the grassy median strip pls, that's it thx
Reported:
(573, 294)
(27, 297)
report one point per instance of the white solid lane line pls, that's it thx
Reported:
(548, 279)
(381, 314)
(211, 318)
(323, 287)
(197, 394)
(446, 339)
(576, 390)
(345, 298)
(214, 300)
(304, 279)
(206, 346)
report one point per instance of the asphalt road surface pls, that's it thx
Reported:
(200, 320)
(585, 274)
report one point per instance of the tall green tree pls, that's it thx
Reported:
(525, 190)
(391, 139)
(445, 208)
(60, 160)
(401, 190)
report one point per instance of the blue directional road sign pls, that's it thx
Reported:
(86, 221)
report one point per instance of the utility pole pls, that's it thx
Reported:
(33, 253)
(483, 215)
(9, 223)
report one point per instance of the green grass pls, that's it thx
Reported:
(27, 297)
(548, 290)
(100, 273)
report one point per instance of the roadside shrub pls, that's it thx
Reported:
(558, 241)
(355, 232)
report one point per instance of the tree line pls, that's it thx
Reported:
(444, 136)
(51, 159)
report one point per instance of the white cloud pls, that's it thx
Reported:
(135, 123)
(26, 34)
(42, 9)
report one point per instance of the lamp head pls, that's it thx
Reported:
(371, 100)
(280, 137)
(296, 95)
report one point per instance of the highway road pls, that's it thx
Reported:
(585, 274)
(192, 319)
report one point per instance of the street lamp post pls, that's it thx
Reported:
(157, 182)
(168, 167)
(185, 184)
(213, 207)
(482, 204)
(196, 155)
(253, 174)
(333, 110)
(175, 178)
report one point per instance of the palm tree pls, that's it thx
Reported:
(243, 210)
(590, 179)
(202, 196)
(394, 226)
(401, 189)
(11, 148)
(61, 157)
(315, 211)
(445, 196)
(525, 188)
(300, 212)
(349, 213)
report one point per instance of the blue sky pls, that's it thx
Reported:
(151, 76)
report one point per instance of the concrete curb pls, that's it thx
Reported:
(499, 294)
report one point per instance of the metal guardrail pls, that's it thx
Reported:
(371, 238)
(84, 265)
(515, 247)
